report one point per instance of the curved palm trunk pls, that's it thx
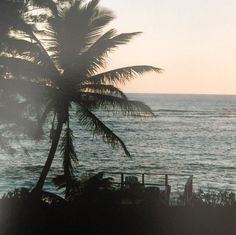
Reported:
(46, 168)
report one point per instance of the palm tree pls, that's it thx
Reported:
(64, 68)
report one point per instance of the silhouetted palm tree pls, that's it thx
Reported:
(64, 66)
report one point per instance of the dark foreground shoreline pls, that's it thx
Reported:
(30, 218)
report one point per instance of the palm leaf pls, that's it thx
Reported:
(19, 46)
(28, 33)
(22, 48)
(68, 153)
(51, 5)
(10, 17)
(100, 19)
(75, 30)
(24, 68)
(112, 103)
(102, 89)
(18, 24)
(30, 90)
(94, 124)
(93, 59)
(121, 75)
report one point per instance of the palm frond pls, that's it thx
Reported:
(94, 124)
(75, 30)
(91, 19)
(93, 59)
(24, 49)
(102, 89)
(121, 75)
(10, 17)
(100, 19)
(22, 29)
(49, 4)
(29, 33)
(22, 68)
(91, 5)
(112, 103)
(18, 46)
(68, 153)
(27, 89)
(72, 187)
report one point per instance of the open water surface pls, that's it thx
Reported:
(192, 134)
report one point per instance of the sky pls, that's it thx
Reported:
(193, 41)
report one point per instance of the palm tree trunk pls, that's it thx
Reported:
(46, 168)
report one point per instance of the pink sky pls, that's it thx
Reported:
(193, 41)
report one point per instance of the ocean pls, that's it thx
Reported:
(191, 134)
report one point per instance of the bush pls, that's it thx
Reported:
(214, 198)
(18, 193)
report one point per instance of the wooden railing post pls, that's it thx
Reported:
(122, 180)
(166, 179)
(167, 190)
(142, 179)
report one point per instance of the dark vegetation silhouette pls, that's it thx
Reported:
(51, 68)
(21, 214)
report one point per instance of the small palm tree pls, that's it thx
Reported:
(64, 68)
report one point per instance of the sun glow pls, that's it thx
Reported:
(193, 41)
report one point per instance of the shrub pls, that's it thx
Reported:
(214, 198)
(18, 193)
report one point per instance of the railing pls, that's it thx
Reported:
(164, 187)
(166, 176)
